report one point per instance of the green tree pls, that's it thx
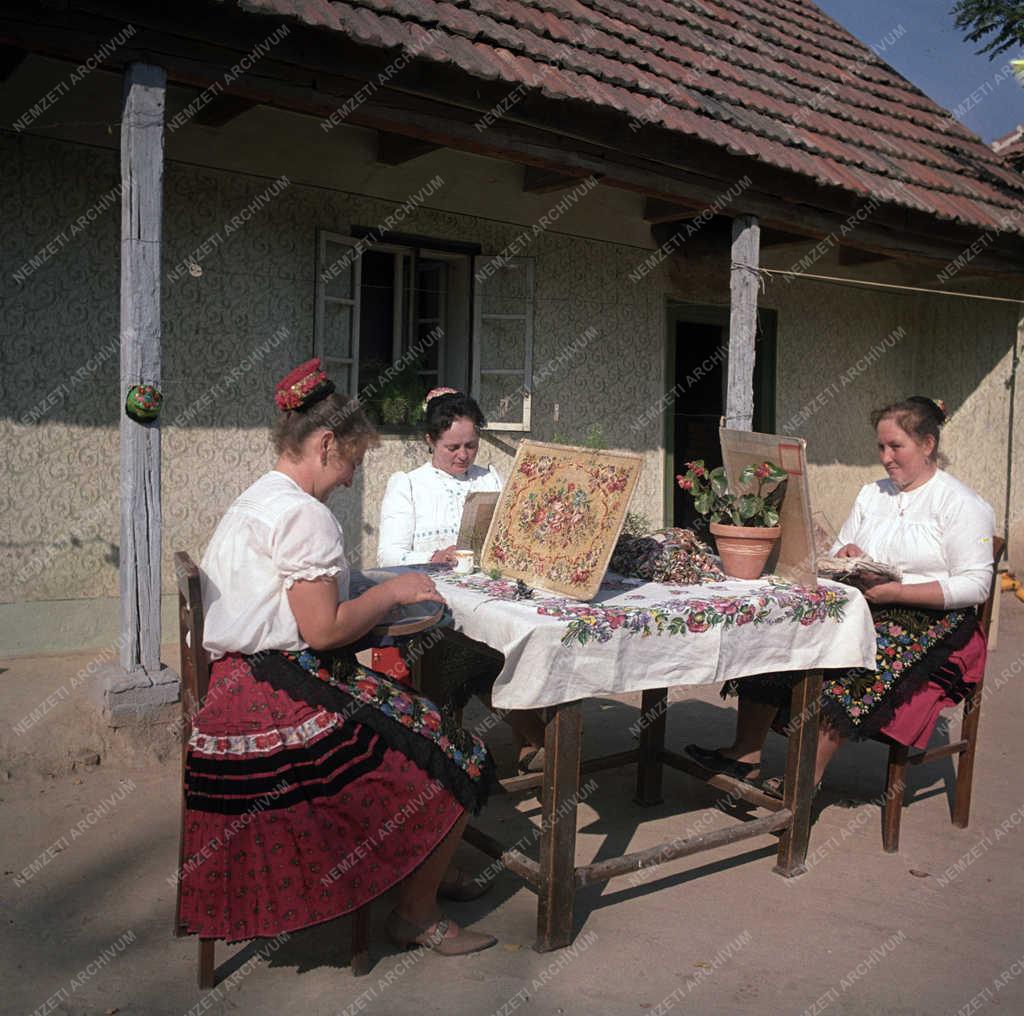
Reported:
(999, 23)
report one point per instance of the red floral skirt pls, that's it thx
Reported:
(295, 813)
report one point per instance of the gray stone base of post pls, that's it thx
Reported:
(134, 696)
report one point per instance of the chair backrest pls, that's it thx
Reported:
(195, 663)
(985, 614)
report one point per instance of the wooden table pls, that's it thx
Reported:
(555, 876)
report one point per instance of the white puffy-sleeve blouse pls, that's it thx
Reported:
(942, 531)
(273, 535)
(422, 511)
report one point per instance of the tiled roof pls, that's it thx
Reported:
(772, 80)
(1010, 147)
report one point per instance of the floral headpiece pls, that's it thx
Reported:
(303, 387)
(435, 393)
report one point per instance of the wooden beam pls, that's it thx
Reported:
(223, 109)
(142, 172)
(545, 181)
(394, 149)
(652, 857)
(856, 256)
(658, 211)
(743, 286)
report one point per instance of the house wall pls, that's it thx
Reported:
(59, 391)
(59, 327)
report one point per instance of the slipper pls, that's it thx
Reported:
(443, 936)
(463, 887)
(715, 762)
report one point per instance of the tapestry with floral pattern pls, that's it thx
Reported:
(559, 516)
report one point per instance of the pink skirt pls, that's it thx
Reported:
(912, 722)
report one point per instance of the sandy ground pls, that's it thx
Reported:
(87, 850)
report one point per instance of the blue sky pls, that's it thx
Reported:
(932, 53)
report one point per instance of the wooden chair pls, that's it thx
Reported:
(900, 757)
(195, 680)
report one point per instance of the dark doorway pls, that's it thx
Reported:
(698, 339)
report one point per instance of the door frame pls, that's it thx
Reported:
(765, 377)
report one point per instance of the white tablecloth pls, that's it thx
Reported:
(637, 634)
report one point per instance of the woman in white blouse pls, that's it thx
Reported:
(303, 766)
(938, 532)
(422, 510)
(420, 519)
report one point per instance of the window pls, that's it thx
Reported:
(395, 319)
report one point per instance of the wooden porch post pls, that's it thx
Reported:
(743, 283)
(140, 683)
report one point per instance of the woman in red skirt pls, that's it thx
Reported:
(314, 785)
(930, 649)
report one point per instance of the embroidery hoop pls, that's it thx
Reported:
(406, 618)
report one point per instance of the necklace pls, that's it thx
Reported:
(902, 501)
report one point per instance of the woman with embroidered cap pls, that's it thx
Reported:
(313, 785)
(420, 518)
(938, 532)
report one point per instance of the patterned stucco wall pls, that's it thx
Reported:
(59, 383)
(59, 370)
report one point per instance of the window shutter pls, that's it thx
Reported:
(503, 341)
(338, 276)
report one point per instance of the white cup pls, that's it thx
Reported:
(464, 564)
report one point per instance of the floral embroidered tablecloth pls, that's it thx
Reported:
(636, 634)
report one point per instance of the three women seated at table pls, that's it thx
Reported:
(314, 785)
(930, 649)
(420, 518)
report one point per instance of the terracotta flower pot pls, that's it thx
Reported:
(744, 549)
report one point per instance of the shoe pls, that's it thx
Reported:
(532, 760)
(463, 887)
(443, 936)
(715, 762)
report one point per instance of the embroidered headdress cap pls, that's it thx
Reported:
(302, 387)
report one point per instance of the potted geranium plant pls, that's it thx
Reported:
(745, 524)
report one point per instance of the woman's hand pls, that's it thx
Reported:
(884, 592)
(413, 587)
(445, 556)
(850, 550)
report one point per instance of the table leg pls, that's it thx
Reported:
(653, 706)
(562, 743)
(799, 784)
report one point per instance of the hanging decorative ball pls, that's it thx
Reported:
(143, 402)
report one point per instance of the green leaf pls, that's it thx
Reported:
(771, 517)
(703, 502)
(749, 505)
(746, 475)
(719, 484)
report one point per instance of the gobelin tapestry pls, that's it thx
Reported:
(559, 516)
